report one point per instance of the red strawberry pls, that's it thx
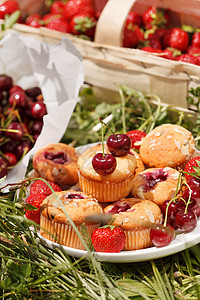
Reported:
(108, 239)
(136, 137)
(170, 53)
(33, 20)
(155, 16)
(193, 50)
(49, 17)
(151, 50)
(59, 25)
(193, 166)
(40, 187)
(8, 7)
(132, 36)
(188, 58)
(178, 39)
(57, 7)
(83, 23)
(134, 18)
(196, 39)
(36, 201)
(74, 7)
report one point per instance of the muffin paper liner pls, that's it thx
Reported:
(63, 234)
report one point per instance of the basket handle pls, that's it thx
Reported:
(109, 29)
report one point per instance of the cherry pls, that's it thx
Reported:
(37, 127)
(11, 158)
(118, 207)
(75, 196)
(33, 92)
(9, 146)
(15, 88)
(119, 144)
(3, 167)
(194, 182)
(153, 177)
(162, 235)
(19, 131)
(38, 110)
(186, 221)
(18, 99)
(104, 164)
(21, 148)
(6, 82)
(57, 158)
(173, 208)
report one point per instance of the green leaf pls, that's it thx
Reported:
(134, 288)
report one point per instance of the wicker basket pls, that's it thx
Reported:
(108, 64)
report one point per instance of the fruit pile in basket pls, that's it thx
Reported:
(21, 115)
(151, 31)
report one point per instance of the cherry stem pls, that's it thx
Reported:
(102, 135)
(173, 199)
(123, 110)
(190, 195)
(102, 122)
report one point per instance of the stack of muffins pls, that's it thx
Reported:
(132, 194)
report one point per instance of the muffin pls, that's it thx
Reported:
(139, 163)
(135, 217)
(54, 224)
(167, 145)
(156, 184)
(107, 188)
(57, 163)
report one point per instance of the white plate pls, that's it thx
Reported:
(180, 243)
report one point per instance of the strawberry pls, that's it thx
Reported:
(36, 201)
(57, 7)
(74, 7)
(193, 50)
(40, 187)
(193, 166)
(156, 16)
(136, 137)
(108, 239)
(188, 58)
(170, 53)
(134, 18)
(178, 39)
(151, 50)
(83, 23)
(49, 17)
(33, 20)
(8, 7)
(196, 39)
(132, 36)
(59, 25)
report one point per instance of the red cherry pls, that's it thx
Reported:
(15, 88)
(19, 131)
(104, 164)
(173, 208)
(38, 110)
(33, 92)
(6, 83)
(119, 144)
(162, 235)
(18, 99)
(186, 221)
(11, 158)
(37, 127)
(3, 167)
(22, 147)
(136, 137)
